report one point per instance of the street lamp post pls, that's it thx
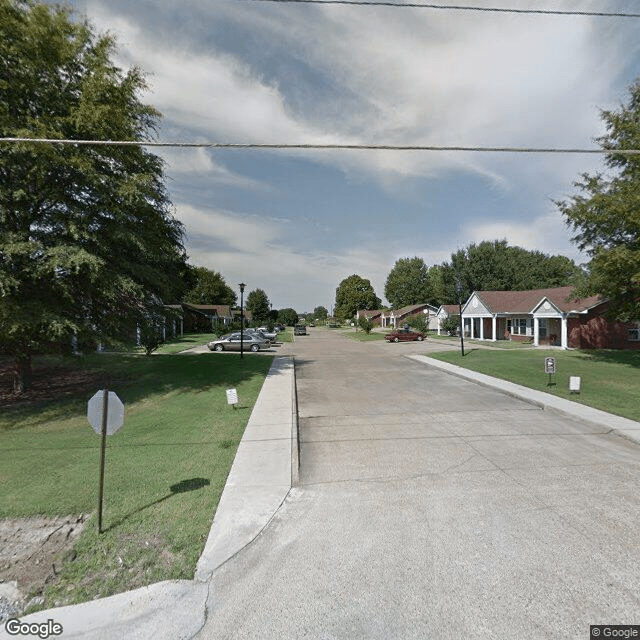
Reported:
(242, 286)
(459, 292)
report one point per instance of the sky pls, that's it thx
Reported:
(296, 222)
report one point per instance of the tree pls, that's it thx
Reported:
(408, 283)
(288, 316)
(320, 313)
(495, 266)
(353, 294)
(87, 238)
(210, 288)
(258, 305)
(606, 216)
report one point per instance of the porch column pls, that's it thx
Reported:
(181, 326)
(536, 331)
(493, 329)
(439, 321)
(472, 331)
(564, 342)
(481, 328)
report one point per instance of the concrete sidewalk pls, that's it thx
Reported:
(623, 426)
(265, 466)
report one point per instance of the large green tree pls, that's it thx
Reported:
(288, 316)
(493, 265)
(259, 306)
(210, 288)
(88, 243)
(320, 313)
(408, 283)
(606, 214)
(352, 294)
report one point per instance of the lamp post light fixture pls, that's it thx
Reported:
(459, 292)
(242, 285)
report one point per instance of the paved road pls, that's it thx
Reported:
(431, 507)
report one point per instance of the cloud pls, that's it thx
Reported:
(244, 248)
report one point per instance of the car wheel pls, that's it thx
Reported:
(396, 339)
(420, 338)
(218, 347)
(255, 347)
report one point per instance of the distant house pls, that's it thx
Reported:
(203, 317)
(370, 314)
(552, 317)
(444, 312)
(399, 317)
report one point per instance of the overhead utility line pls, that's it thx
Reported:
(348, 147)
(384, 3)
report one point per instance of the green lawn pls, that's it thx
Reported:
(610, 379)
(187, 341)
(165, 469)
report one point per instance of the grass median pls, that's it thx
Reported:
(609, 379)
(165, 469)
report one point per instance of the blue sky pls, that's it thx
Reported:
(296, 222)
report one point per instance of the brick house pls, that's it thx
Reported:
(551, 317)
(444, 312)
(399, 317)
(370, 314)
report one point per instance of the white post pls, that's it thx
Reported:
(481, 328)
(564, 341)
(536, 332)
(493, 328)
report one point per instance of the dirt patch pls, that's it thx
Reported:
(48, 382)
(32, 551)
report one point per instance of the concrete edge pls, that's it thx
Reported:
(176, 609)
(623, 427)
(295, 429)
(255, 489)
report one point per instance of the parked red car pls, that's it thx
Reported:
(404, 335)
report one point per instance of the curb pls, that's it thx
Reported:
(624, 427)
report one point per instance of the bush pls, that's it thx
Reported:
(365, 324)
(451, 325)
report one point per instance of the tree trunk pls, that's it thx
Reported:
(22, 373)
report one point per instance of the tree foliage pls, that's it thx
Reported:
(495, 266)
(209, 288)
(353, 294)
(320, 313)
(606, 215)
(87, 237)
(259, 307)
(288, 316)
(408, 283)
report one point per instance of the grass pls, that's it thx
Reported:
(610, 380)
(498, 344)
(187, 341)
(165, 469)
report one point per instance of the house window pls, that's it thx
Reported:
(542, 328)
(634, 334)
(520, 326)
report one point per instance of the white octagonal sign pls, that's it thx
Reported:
(115, 412)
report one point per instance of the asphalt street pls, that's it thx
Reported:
(432, 507)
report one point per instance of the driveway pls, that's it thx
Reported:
(432, 507)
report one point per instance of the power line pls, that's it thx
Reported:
(346, 147)
(384, 3)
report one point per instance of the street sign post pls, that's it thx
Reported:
(105, 413)
(232, 397)
(550, 368)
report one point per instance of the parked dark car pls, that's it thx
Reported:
(300, 330)
(404, 335)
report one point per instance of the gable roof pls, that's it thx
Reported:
(450, 309)
(368, 313)
(526, 301)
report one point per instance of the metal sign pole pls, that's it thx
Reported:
(103, 448)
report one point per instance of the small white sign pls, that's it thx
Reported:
(232, 396)
(574, 384)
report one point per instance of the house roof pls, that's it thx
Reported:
(410, 309)
(526, 301)
(219, 309)
(451, 309)
(368, 313)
